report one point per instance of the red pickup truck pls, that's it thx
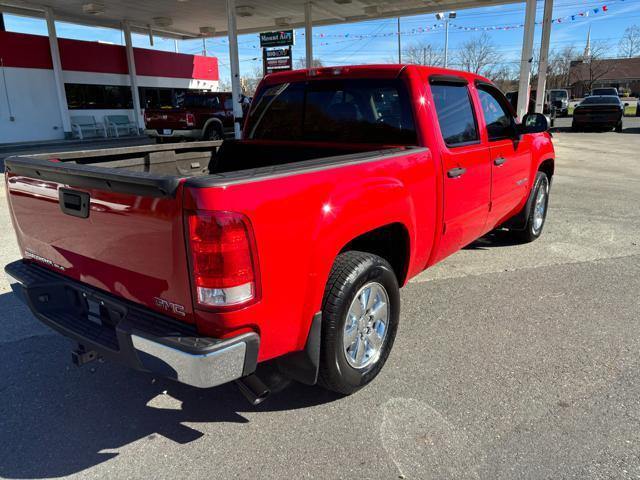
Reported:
(197, 116)
(286, 248)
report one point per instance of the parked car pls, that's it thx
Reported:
(197, 116)
(556, 102)
(559, 100)
(599, 112)
(604, 91)
(287, 247)
(513, 100)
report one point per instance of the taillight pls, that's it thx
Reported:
(222, 258)
(191, 120)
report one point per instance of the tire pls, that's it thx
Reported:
(212, 134)
(619, 127)
(342, 370)
(538, 214)
(574, 127)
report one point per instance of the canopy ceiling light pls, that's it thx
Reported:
(283, 21)
(244, 10)
(371, 10)
(342, 2)
(162, 21)
(93, 8)
(207, 31)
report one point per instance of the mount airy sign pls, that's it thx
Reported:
(283, 38)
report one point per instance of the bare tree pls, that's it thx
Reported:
(560, 66)
(505, 77)
(423, 54)
(630, 42)
(479, 55)
(302, 63)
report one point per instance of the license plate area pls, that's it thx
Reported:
(167, 131)
(81, 312)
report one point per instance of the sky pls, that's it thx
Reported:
(376, 41)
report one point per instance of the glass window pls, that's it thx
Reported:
(278, 114)
(455, 114)
(228, 104)
(498, 119)
(354, 111)
(606, 100)
(199, 100)
(95, 97)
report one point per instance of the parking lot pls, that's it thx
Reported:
(511, 361)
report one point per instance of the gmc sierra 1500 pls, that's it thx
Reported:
(289, 245)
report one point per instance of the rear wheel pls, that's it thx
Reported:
(360, 313)
(213, 133)
(619, 127)
(538, 213)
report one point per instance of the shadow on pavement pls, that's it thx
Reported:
(497, 238)
(57, 419)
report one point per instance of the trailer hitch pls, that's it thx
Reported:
(81, 356)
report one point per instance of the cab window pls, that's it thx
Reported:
(455, 114)
(497, 117)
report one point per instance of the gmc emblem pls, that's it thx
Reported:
(169, 306)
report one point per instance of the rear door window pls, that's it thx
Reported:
(353, 111)
(455, 114)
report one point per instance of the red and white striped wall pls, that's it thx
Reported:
(29, 109)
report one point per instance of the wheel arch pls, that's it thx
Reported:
(547, 167)
(210, 123)
(390, 242)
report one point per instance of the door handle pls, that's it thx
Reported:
(499, 161)
(456, 172)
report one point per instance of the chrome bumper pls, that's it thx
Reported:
(131, 334)
(195, 133)
(203, 370)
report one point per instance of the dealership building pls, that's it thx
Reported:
(97, 83)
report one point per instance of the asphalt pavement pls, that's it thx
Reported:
(511, 362)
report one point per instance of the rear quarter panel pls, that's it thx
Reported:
(302, 221)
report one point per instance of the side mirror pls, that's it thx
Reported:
(534, 123)
(626, 105)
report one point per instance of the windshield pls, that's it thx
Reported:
(353, 111)
(604, 91)
(558, 95)
(603, 100)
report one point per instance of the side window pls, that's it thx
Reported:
(228, 104)
(455, 114)
(498, 119)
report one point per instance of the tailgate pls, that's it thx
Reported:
(118, 231)
(171, 119)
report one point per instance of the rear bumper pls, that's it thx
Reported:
(127, 333)
(191, 134)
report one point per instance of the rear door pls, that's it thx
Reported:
(467, 170)
(510, 154)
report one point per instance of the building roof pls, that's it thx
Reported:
(195, 18)
(610, 69)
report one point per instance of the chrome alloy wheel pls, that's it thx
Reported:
(540, 207)
(365, 328)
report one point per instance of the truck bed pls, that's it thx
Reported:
(156, 170)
